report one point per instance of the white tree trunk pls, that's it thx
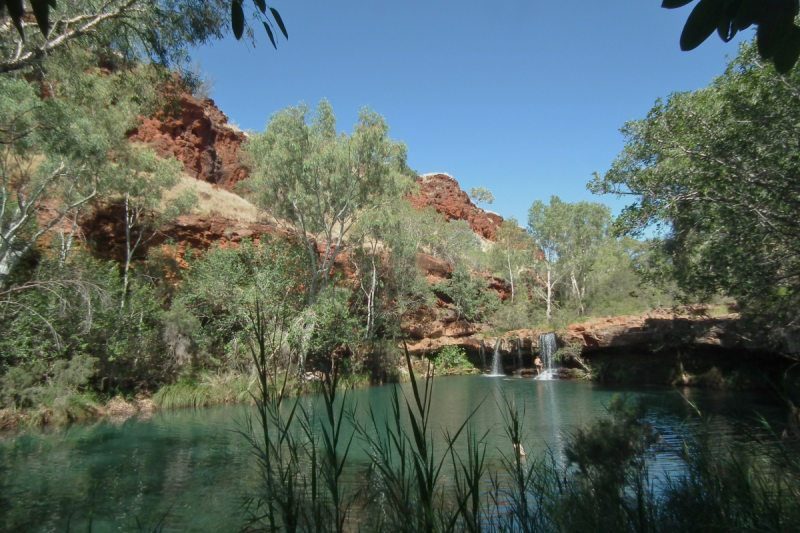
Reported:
(549, 291)
(576, 290)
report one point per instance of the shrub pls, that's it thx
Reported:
(469, 295)
(36, 384)
(451, 357)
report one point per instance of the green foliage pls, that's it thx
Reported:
(567, 235)
(469, 295)
(511, 251)
(319, 181)
(584, 270)
(385, 246)
(451, 357)
(220, 288)
(714, 173)
(58, 151)
(334, 325)
(207, 389)
(136, 30)
(481, 195)
(181, 329)
(512, 316)
(618, 282)
(383, 360)
(38, 384)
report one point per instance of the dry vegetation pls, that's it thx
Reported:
(216, 202)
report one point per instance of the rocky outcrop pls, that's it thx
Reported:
(443, 193)
(655, 330)
(435, 270)
(105, 230)
(196, 133)
(650, 332)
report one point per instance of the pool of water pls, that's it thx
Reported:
(192, 467)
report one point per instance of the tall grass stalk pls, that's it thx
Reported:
(331, 502)
(300, 454)
(603, 482)
(405, 470)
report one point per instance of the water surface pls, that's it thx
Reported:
(192, 466)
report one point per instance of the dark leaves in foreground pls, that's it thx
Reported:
(41, 11)
(777, 35)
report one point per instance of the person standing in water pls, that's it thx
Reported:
(538, 364)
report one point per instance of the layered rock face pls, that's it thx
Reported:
(651, 332)
(443, 193)
(655, 329)
(105, 230)
(196, 133)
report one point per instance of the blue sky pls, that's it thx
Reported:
(522, 97)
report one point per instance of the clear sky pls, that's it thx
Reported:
(522, 97)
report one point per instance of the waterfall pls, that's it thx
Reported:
(497, 359)
(483, 355)
(519, 353)
(547, 347)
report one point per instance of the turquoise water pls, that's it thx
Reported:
(193, 468)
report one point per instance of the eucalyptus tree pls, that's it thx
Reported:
(316, 182)
(714, 174)
(509, 249)
(545, 232)
(137, 183)
(157, 30)
(384, 261)
(567, 234)
(481, 195)
(120, 29)
(58, 154)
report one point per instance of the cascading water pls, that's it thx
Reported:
(547, 347)
(497, 359)
(483, 355)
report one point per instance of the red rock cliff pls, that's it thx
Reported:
(197, 133)
(444, 194)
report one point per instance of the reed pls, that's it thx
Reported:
(601, 483)
(207, 389)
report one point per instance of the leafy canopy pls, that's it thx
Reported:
(317, 182)
(714, 173)
(481, 195)
(158, 30)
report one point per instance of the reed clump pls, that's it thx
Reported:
(207, 389)
(601, 480)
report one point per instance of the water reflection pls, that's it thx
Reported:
(195, 464)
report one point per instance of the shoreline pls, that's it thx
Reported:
(623, 370)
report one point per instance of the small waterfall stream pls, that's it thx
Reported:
(547, 348)
(483, 355)
(497, 359)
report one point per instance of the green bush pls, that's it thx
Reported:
(452, 357)
(38, 384)
(510, 317)
(469, 295)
